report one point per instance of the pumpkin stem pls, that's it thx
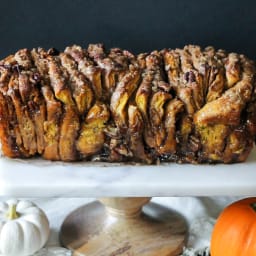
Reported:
(253, 205)
(12, 213)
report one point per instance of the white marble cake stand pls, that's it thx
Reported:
(120, 228)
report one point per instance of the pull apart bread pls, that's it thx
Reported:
(188, 105)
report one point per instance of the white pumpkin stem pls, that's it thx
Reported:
(12, 213)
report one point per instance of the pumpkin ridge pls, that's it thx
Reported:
(246, 239)
(235, 230)
(24, 226)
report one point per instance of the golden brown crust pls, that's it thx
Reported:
(80, 86)
(121, 96)
(185, 105)
(25, 122)
(68, 133)
(51, 125)
(91, 138)
(9, 141)
(136, 127)
(86, 67)
(173, 108)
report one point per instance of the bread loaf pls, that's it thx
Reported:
(189, 105)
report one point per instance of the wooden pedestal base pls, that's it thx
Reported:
(120, 228)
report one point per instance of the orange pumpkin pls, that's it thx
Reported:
(234, 233)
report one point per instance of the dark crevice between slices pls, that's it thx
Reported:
(216, 77)
(154, 63)
(172, 66)
(209, 69)
(25, 122)
(36, 107)
(173, 108)
(87, 67)
(238, 145)
(70, 124)
(114, 65)
(119, 112)
(154, 100)
(82, 92)
(184, 89)
(251, 114)
(99, 56)
(195, 77)
(53, 106)
(31, 96)
(91, 137)
(201, 64)
(176, 69)
(233, 70)
(151, 98)
(136, 128)
(5, 75)
(22, 110)
(142, 99)
(120, 98)
(137, 119)
(157, 105)
(11, 142)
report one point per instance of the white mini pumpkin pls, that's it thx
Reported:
(24, 228)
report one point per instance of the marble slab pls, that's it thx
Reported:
(41, 178)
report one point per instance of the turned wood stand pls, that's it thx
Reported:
(119, 226)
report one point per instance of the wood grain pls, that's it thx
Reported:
(122, 229)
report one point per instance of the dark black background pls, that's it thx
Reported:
(135, 25)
